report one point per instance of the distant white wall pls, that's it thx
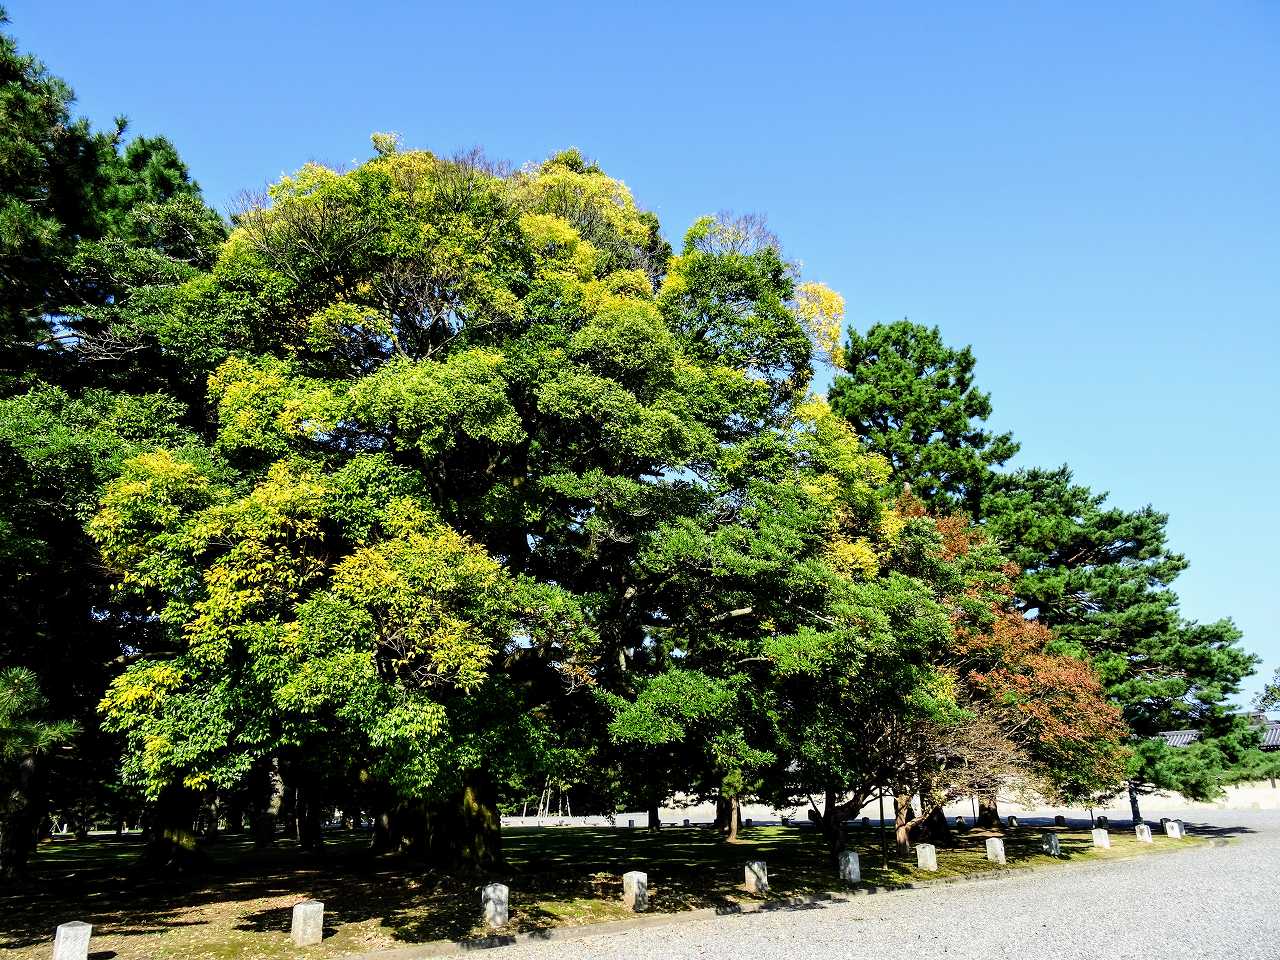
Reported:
(1261, 795)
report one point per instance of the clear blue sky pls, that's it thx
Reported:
(1089, 193)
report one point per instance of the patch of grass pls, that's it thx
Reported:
(241, 907)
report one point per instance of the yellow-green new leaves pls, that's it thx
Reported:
(598, 207)
(264, 407)
(438, 604)
(140, 526)
(821, 312)
(433, 404)
(266, 552)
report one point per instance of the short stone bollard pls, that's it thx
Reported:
(995, 850)
(630, 824)
(635, 891)
(71, 941)
(1172, 828)
(1050, 844)
(866, 821)
(850, 867)
(750, 822)
(494, 898)
(1103, 822)
(926, 856)
(1060, 820)
(756, 876)
(686, 821)
(307, 928)
(1013, 821)
(1102, 839)
(1143, 833)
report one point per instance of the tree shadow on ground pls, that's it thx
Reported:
(556, 877)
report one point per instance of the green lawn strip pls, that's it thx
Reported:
(558, 877)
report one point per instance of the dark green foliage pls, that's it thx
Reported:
(61, 183)
(1101, 578)
(912, 399)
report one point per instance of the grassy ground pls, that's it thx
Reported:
(240, 907)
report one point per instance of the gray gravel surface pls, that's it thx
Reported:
(1222, 902)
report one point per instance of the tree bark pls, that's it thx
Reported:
(902, 817)
(735, 819)
(655, 816)
(173, 845)
(723, 809)
(1133, 802)
(936, 830)
(988, 811)
(265, 794)
(20, 820)
(833, 823)
(464, 831)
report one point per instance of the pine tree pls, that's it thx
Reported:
(912, 399)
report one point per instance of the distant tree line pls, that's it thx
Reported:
(429, 490)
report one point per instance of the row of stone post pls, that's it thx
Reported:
(71, 942)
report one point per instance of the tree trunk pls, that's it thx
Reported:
(20, 820)
(902, 817)
(735, 819)
(988, 812)
(936, 830)
(173, 845)
(310, 826)
(464, 831)
(832, 822)
(655, 816)
(383, 839)
(266, 791)
(1133, 802)
(723, 809)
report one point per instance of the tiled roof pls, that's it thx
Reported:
(1184, 738)
(1271, 736)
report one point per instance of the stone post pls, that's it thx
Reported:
(1050, 843)
(635, 891)
(1102, 839)
(1172, 828)
(850, 867)
(686, 821)
(1013, 821)
(866, 821)
(926, 856)
(494, 898)
(71, 941)
(995, 850)
(1104, 822)
(962, 824)
(308, 923)
(1143, 833)
(756, 875)
(750, 822)
(631, 823)
(1060, 820)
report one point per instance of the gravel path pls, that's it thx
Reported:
(1218, 903)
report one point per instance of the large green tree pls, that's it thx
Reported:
(912, 399)
(1100, 577)
(461, 461)
(87, 223)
